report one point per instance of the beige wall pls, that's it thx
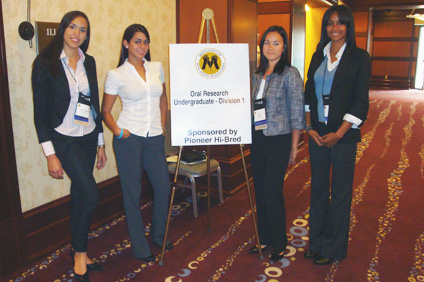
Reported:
(108, 19)
(313, 34)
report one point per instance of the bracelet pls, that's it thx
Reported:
(102, 146)
(164, 129)
(120, 135)
(309, 127)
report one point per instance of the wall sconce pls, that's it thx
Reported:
(307, 8)
(328, 2)
(415, 16)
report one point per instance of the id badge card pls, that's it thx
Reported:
(82, 112)
(259, 114)
(326, 99)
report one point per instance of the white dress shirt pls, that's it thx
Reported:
(78, 82)
(140, 99)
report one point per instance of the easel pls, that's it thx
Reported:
(207, 15)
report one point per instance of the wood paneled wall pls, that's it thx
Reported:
(243, 26)
(235, 22)
(361, 29)
(393, 42)
(265, 21)
(274, 13)
(363, 5)
(190, 17)
(394, 50)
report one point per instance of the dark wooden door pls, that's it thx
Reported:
(10, 205)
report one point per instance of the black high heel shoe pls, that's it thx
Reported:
(320, 260)
(255, 249)
(311, 254)
(95, 266)
(150, 258)
(82, 278)
(277, 257)
(168, 246)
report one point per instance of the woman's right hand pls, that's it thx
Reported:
(315, 136)
(55, 167)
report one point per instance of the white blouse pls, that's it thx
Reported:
(140, 99)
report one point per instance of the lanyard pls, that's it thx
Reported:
(323, 77)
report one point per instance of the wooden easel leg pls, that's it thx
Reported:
(199, 40)
(208, 160)
(171, 202)
(251, 202)
(214, 29)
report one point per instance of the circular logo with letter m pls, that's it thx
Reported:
(210, 63)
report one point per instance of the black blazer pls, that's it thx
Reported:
(349, 92)
(52, 96)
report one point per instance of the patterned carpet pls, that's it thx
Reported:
(386, 232)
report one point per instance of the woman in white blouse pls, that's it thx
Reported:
(139, 141)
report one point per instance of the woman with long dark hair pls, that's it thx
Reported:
(139, 139)
(69, 125)
(336, 95)
(277, 95)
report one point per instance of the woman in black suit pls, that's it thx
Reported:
(69, 125)
(336, 98)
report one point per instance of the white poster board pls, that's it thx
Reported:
(210, 94)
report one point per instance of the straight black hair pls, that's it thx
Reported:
(51, 54)
(128, 35)
(284, 60)
(345, 17)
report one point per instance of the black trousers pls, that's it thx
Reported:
(77, 155)
(332, 171)
(270, 157)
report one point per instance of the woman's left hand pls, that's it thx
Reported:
(330, 139)
(101, 158)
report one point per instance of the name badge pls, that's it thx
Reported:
(82, 112)
(259, 114)
(326, 99)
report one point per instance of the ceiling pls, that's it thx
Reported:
(319, 4)
(358, 5)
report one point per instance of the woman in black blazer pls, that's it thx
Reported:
(69, 125)
(336, 98)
